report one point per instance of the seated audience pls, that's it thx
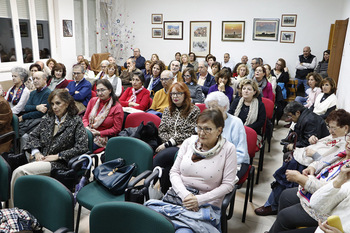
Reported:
(175, 69)
(50, 63)
(206, 162)
(127, 74)
(139, 60)
(270, 78)
(236, 70)
(326, 102)
(153, 84)
(265, 87)
(88, 74)
(177, 58)
(249, 108)
(223, 81)
(32, 69)
(113, 77)
(154, 58)
(314, 81)
(193, 61)
(189, 77)
(103, 71)
(254, 64)
(243, 72)
(205, 80)
(58, 77)
(178, 123)
(211, 60)
(136, 96)
(215, 67)
(227, 63)
(281, 73)
(18, 95)
(339, 127)
(80, 58)
(147, 72)
(185, 62)
(104, 114)
(5, 125)
(322, 66)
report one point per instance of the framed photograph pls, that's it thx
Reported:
(157, 32)
(39, 27)
(200, 37)
(287, 37)
(233, 31)
(265, 29)
(23, 27)
(157, 18)
(173, 30)
(67, 28)
(289, 20)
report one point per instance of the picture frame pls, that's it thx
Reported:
(67, 28)
(289, 20)
(157, 32)
(200, 37)
(173, 30)
(157, 18)
(39, 28)
(265, 29)
(23, 27)
(287, 37)
(233, 31)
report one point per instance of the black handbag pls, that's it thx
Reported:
(114, 176)
(15, 160)
(172, 198)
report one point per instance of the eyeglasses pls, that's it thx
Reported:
(277, 64)
(76, 73)
(100, 90)
(332, 128)
(176, 94)
(164, 79)
(186, 76)
(205, 130)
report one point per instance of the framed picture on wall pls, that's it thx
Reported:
(233, 31)
(67, 28)
(23, 28)
(200, 37)
(289, 20)
(39, 27)
(157, 18)
(265, 29)
(287, 37)
(157, 32)
(173, 30)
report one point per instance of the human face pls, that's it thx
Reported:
(130, 64)
(278, 65)
(210, 61)
(111, 71)
(306, 51)
(184, 59)
(177, 57)
(156, 70)
(208, 134)
(136, 53)
(202, 69)
(33, 70)
(80, 58)
(337, 131)
(177, 97)
(77, 74)
(16, 79)
(244, 59)
(111, 60)
(102, 92)
(175, 66)
(254, 64)
(226, 58)
(311, 82)
(268, 71)
(259, 74)
(295, 117)
(38, 80)
(326, 87)
(136, 82)
(242, 71)
(148, 66)
(51, 65)
(248, 92)
(104, 67)
(326, 56)
(154, 58)
(347, 145)
(58, 74)
(222, 80)
(187, 77)
(59, 107)
(214, 105)
(191, 57)
(166, 81)
(215, 69)
(83, 65)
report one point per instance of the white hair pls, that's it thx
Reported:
(104, 62)
(221, 98)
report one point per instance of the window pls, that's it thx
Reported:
(7, 42)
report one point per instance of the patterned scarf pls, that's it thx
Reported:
(262, 84)
(134, 94)
(253, 110)
(19, 93)
(95, 120)
(198, 151)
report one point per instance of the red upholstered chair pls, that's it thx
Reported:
(134, 119)
(201, 107)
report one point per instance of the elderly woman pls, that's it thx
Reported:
(281, 73)
(326, 102)
(103, 70)
(190, 78)
(313, 80)
(249, 108)
(104, 114)
(147, 72)
(206, 162)
(178, 123)
(272, 79)
(89, 74)
(193, 61)
(112, 77)
(322, 66)
(185, 62)
(265, 87)
(136, 96)
(58, 77)
(18, 95)
(223, 82)
(50, 63)
(243, 72)
(339, 126)
(233, 131)
(153, 84)
(59, 137)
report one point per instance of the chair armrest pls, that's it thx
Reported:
(229, 199)
(151, 177)
(138, 178)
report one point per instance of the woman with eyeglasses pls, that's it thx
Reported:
(281, 73)
(207, 163)
(190, 78)
(177, 124)
(104, 114)
(113, 77)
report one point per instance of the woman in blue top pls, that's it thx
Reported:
(223, 82)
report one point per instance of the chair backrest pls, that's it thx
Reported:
(251, 141)
(96, 59)
(128, 217)
(5, 179)
(46, 199)
(201, 107)
(135, 119)
(90, 139)
(131, 149)
(269, 107)
(15, 125)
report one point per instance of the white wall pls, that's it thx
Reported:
(313, 25)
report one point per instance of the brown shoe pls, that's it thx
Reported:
(264, 211)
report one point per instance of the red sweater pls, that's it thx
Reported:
(62, 85)
(112, 125)
(142, 98)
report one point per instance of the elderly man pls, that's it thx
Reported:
(160, 100)
(140, 61)
(255, 63)
(80, 58)
(37, 104)
(80, 88)
(305, 64)
(175, 69)
(205, 80)
(44, 68)
(126, 75)
(227, 63)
